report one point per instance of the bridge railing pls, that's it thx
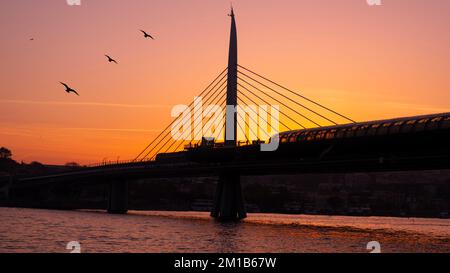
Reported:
(116, 163)
(112, 163)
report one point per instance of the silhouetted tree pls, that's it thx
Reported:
(5, 153)
(7, 165)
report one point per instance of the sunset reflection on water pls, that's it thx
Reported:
(29, 230)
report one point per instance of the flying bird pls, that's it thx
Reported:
(111, 60)
(68, 89)
(146, 35)
(32, 39)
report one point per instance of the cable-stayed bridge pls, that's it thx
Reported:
(254, 93)
(223, 131)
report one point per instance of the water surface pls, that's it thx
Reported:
(31, 230)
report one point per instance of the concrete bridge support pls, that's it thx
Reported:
(229, 202)
(118, 197)
(5, 190)
(4, 193)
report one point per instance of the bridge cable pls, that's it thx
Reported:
(312, 121)
(271, 125)
(295, 93)
(148, 146)
(249, 127)
(243, 131)
(217, 92)
(215, 103)
(270, 114)
(179, 120)
(223, 110)
(278, 101)
(181, 143)
(267, 103)
(250, 117)
(167, 137)
(222, 129)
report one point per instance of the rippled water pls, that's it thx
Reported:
(29, 230)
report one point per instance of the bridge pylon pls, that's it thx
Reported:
(229, 201)
(118, 197)
(232, 78)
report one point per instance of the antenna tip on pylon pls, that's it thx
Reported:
(232, 10)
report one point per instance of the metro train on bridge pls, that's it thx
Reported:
(381, 128)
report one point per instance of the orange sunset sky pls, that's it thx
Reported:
(368, 62)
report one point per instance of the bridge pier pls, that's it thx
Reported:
(229, 202)
(118, 197)
(4, 193)
(6, 190)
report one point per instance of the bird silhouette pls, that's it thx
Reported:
(68, 89)
(32, 39)
(111, 60)
(146, 35)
